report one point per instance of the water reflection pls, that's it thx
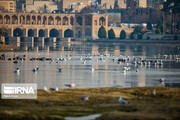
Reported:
(107, 73)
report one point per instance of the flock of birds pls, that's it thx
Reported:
(126, 61)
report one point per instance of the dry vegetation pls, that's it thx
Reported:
(4, 48)
(66, 102)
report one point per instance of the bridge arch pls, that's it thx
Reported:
(44, 20)
(39, 20)
(18, 32)
(68, 33)
(50, 20)
(41, 33)
(14, 19)
(58, 20)
(65, 20)
(22, 19)
(7, 19)
(54, 33)
(28, 19)
(30, 33)
(33, 20)
(102, 21)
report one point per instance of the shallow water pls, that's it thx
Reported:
(106, 73)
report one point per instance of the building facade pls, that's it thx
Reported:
(41, 6)
(77, 5)
(141, 15)
(9, 6)
(155, 3)
(108, 4)
(53, 25)
(136, 4)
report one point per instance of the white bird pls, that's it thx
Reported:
(128, 68)
(17, 70)
(161, 80)
(137, 70)
(35, 69)
(92, 69)
(72, 85)
(85, 98)
(153, 93)
(121, 100)
(46, 89)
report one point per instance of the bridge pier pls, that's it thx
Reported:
(42, 39)
(18, 41)
(54, 42)
(32, 39)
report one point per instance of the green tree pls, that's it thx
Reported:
(160, 26)
(123, 35)
(137, 29)
(172, 7)
(102, 32)
(132, 35)
(111, 34)
(140, 36)
(148, 38)
(149, 26)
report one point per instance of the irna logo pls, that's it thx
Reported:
(19, 91)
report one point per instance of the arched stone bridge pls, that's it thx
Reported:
(52, 25)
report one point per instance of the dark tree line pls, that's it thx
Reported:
(172, 7)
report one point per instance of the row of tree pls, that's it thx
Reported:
(111, 35)
(172, 7)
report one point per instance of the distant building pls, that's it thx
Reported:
(141, 15)
(9, 6)
(136, 4)
(19, 4)
(45, 6)
(76, 5)
(155, 3)
(109, 4)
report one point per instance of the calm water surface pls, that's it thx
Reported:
(107, 73)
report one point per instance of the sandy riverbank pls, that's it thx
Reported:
(66, 102)
(4, 48)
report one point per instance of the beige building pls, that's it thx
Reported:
(42, 6)
(57, 25)
(9, 6)
(107, 4)
(136, 3)
(141, 3)
(77, 5)
(155, 3)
